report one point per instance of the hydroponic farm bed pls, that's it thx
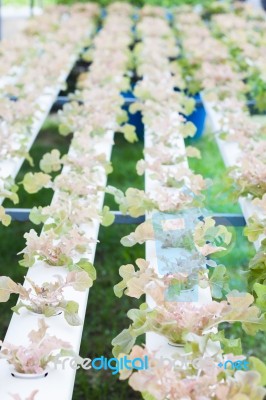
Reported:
(146, 74)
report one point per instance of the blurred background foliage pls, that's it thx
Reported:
(140, 3)
(104, 3)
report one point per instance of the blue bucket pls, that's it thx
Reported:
(198, 117)
(133, 119)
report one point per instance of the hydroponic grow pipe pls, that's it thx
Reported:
(237, 220)
(62, 100)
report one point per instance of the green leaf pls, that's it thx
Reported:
(241, 308)
(223, 135)
(232, 346)
(139, 317)
(17, 307)
(108, 168)
(229, 345)
(219, 281)
(254, 229)
(14, 197)
(193, 152)
(64, 130)
(107, 216)
(135, 107)
(136, 202)
(72, 319)
(36, 216)
(7, 287)
(49, 311)
(81, 281)
(4, 218)
(71, 313)
(88, 267)
(189, 105)
(118, 194)
(257, 266)
(207, 232)
(29, 159)
(129, 132)
(122, 117)
(260, 291)
(260, 367)
(255, 325)
(72, 307)
(147, 396)
(123, 342)
(51, 161)
(188, 129)
(33, 182)
(126, 272)
(87, 56)
(143, 232)
(119, 289)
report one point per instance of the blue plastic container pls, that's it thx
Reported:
(198, 117)
(133, 119)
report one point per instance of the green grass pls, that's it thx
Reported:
(25, 3)
(106, 317)
(11, 242)
(106, 314)
(11, 238)
(211, 166)
(237, 257)
(124, 159)
(47, 140)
